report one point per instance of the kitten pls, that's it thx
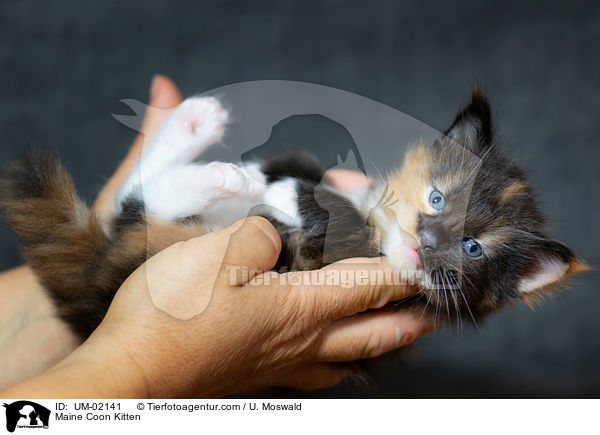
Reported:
(457, 209)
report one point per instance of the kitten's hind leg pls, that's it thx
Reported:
(189, 190)
(194, 125)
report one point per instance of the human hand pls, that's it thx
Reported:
(312, 375)
(249, 331)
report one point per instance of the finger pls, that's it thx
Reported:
(314, 376)
(163, 95)
(346, 180)
(350, 286)
(251, 247)
(369, 335)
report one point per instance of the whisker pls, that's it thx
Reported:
(447, 306)
(463, 276)
(459, 288)
(470, 312)
(426, 305)
(458, 315)
(373, 165)
(446, 279)
(437, 300)
(527, 233)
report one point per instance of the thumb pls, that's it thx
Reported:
(164, 96)
(253, 248)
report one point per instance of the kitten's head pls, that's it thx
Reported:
(478, 224)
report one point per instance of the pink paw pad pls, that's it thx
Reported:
(190, 124)
(202, 116)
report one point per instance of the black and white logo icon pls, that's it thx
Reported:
(25, 414)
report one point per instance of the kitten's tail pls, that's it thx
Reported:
(61, 239)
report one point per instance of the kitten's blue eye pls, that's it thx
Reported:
(472, 249)
(437, 201)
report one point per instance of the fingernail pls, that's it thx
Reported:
(403, 338)
(269, 232)
(154, 85)
(275, 239)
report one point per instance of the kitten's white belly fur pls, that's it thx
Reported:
(279, 198)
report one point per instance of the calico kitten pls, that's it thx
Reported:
(457, 209)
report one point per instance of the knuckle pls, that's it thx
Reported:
(380, 297)
(269, 279)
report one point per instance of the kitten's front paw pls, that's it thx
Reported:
(203, 119)
(194, 125)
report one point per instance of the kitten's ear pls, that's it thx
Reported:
(553, 262)
(472, 127)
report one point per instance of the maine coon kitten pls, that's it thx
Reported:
(456, 207)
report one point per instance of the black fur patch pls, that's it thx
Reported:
(132, 212)
(295, 165)
(331, 224)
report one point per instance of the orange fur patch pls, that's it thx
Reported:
(513, 189)
(408, 185)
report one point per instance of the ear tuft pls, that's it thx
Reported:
(548, 272)
(553, 263)
(578, 265)
(472, 127)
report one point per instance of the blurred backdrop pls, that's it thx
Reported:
(65, 66)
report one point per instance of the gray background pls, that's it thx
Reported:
(64, 66)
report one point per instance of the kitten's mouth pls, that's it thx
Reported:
(416, 256)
